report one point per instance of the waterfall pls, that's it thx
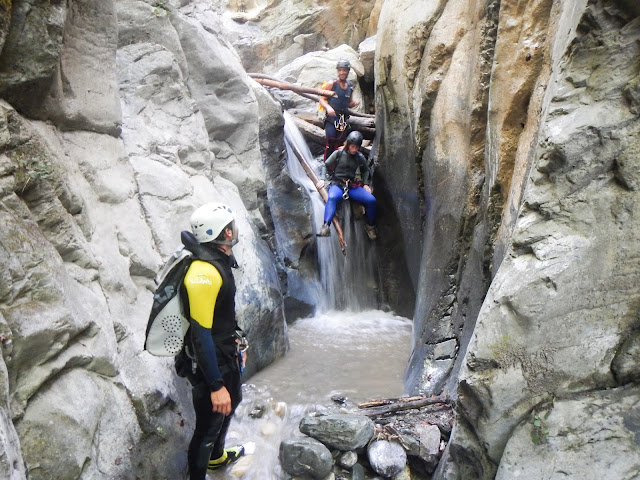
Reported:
(348, 351)
(348, 282)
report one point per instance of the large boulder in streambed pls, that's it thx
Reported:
(341, 431)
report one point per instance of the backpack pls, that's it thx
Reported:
(168, 324)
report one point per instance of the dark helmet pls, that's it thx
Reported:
(343, 64)
(354, 138)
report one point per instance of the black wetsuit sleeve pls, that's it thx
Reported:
(205, 352)
(333, 158)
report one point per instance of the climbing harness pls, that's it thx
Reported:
(345, 190)
(340, 123)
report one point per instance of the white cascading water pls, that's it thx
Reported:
(348, 351)
(349, 282)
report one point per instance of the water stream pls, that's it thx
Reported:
(347, 353)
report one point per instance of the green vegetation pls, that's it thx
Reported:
(29, 167)
(539, 430)
(160, 9)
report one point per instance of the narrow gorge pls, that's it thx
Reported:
(507, 173)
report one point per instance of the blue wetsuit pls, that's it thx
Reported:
(344, 167)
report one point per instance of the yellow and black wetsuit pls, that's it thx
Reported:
(210, 290)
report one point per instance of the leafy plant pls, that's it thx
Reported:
(540, 430)
(160, 9)
(30, 168)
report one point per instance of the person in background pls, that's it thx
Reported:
(336, 127)
(343, 165)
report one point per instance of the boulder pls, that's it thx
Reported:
(223, 93)
(429, 436)
(271, 34)
(592, 437)
(60, 446)
(367, 52)
(311, 70)
(386, 458)
(341, 431)
(305, 456)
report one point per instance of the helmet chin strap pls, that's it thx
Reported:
(222, 242)
(234, 239)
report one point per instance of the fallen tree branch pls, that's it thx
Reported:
(382, 407)
(295, 88)
(301, 91)
(308, 123)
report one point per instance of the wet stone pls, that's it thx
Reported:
(348, 459)
(387, 458)
(342, 431)
(357, 472)
(305, 456)
(429, 443)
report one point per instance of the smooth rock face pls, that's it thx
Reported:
(31, 51)
(342, 431)
(593, 437)
(305, 456)
(75, 100)
(386, 458)
(89, 219)
(511, 131)
(288, 209)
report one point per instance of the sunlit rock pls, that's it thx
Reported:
(386, 458)
(347, 459)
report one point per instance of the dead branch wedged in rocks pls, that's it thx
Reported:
(312, 126)
(391, 405)
(305, 92)
(294, 88)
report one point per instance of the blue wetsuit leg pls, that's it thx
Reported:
(359, 194)
(335, 197)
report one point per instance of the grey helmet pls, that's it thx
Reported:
(354, 138)
(343, 64)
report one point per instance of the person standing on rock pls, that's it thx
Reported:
(343, 165)
(335, 123)
(217, 343)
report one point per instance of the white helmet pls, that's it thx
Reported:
(208, 221)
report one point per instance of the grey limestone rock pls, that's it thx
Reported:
(305, 456)
(386, 458)
(341, 431)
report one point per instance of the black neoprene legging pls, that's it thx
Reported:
(211, 427)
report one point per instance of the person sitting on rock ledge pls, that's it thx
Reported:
(343, 165)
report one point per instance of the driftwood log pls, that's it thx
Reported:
(366, 126)
(305, 92)
(391, 405)
(268, 82)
